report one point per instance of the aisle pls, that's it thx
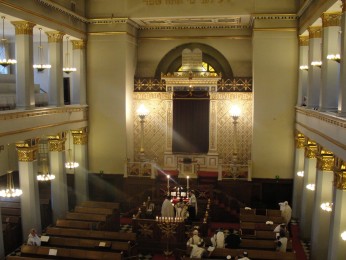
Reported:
(302, 250)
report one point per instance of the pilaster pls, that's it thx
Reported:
(303, 70)
(78, 90)
(342, 89)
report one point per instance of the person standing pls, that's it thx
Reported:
(33, 239)
(192, 206)
(167, 209)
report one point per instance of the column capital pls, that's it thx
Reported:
(315, 32)
(57, 142)
(303, 40)
(325, 159)
(27, 150)
(310, 149)
(331, 19)
(78, 44)
(80, 136)
(54, 36)
(23, 27)
(300, 140)
(339, 174)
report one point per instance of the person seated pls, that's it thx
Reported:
(218, 240)
(233, 240)
(33, 239)
(282, 242)
(195, 239)
(198, 252)
(279, 228)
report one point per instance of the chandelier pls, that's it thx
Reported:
(4, 60)
(70, 164)
(44, 174)
(40, 67)
(10, 191)
(68, 68)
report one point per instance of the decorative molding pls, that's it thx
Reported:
(23, 27)
(328, 118)
(196, 27)
(331, 19)
(27, 150)
(235, 85)
(300, 140)
(339, 174)
(315, 32)
(310, 149)
(303, 40)
(325, 159)
(80, 136)
(274, 17)
(78, 44)
(57, 142)
(55, 36)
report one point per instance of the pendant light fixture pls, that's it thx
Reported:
(43, 170)
(10, 191)
(68, 68)
(40, 55)
(70, 164)
(4, 60)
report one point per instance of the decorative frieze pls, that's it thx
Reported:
(331, 19)
(339, 174)
(315, 32)
(23, 27)
(303, 40)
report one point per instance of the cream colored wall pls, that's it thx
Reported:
(275, 79)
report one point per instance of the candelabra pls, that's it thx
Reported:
(168, 226)
(235, 113)
(142, 112)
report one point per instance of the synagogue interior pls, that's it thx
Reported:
(230, 108)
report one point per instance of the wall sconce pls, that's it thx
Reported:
(300, 174)
(304, 67)
(343, 235)
(335, 57)
(310, 187)
(327, 206)
(316, 64)
(4, 60)
(142, 112)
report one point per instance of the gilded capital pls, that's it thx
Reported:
(325, 160)
(315, 32)
(331, 19)
(23, 27)
(300, 140)
(80, 136)
(303, 40)
(57, 142)
(339, 174)
(310, 149)
(78, 44)
(55, 36)
(27, 150)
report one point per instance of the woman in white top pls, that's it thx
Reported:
(33, 239)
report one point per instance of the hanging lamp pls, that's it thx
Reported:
(70, 164)
(4, 60)
(41, 66)
(10, 191)
(68, 68)
(43, 174)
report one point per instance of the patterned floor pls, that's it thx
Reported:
(305, 244)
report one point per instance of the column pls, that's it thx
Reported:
(303, 70)
(213, 126)
(79, 76)
(59, 185)
(323, 194)
(313, 93)
(55, 58)
(307, 194)
(342, 89)
(330, 68)
(337, 248)
(2, 249)
(80, 141)
(298, 179)
(25, 95)
(30, 200)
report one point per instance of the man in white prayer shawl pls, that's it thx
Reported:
(286, 211)
(218, 240)
(167, 209)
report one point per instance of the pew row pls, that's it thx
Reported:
(94, 210)
(100, 204)
(257, 226)
(259, 234)
(253, 254)
(92, 234)
(65, 223)
(262, 244)
(18, 257)
(101, 221)
(261, 219)
(64, 253)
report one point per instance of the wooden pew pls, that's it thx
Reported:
(64, 253)
(87, 217)
(18, 257)
(274, 213)
(262, 244)
(100, 204)
(65, 223)
(259, 234)
(261, 218)
(244, 211)
(92, 234)
(94, 210)
(253, 254)
(257, 226)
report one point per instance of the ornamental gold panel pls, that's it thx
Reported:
(325, 159)
(56, 145)
(23, 27)
(310, 149)
(55, 36)
(339, 173)
(78, 44)
(303, 40)
(315, 32)
(26, 154)
(300, 140)
(331, 19)
(80, 136)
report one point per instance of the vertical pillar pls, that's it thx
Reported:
(30, 200)
(313, 93)
(59, 185)
(298, 180)
(323, 194)
(79, 76)
(303, 70)
(80, 141)
(213, 126)
(25, 95)
(2, 249)
(307, 194)
(330, 68)
(337, 248)
(342, 89)
(55, 58)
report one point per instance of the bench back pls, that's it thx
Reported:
(94, 210)
(253, 254)
(100, 204)
(75, 224)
